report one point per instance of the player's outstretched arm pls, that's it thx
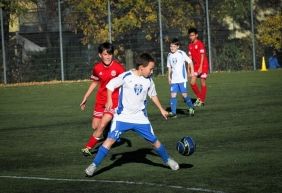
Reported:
(111, 86)
(109, 103)
(169, 75)
(201, 63)
(189, 65)
(190, 69)
(156, 101)
(92, 86)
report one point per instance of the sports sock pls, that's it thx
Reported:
(173, 104)
(102, 153)
(188, 102)
(162, 153)
(203, 93)
(91, 142)
(196, 90)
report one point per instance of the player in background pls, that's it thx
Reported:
(197, 52)
(103, 71)
(131, 113)
(179, 67)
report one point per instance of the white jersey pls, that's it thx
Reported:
(132, 97)
(177, 62)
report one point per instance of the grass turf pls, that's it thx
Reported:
(238, 135)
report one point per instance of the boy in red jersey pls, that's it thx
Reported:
(102, 73)
(197, 52)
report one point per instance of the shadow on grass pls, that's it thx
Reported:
(137, 156)
(181, 111)
(120, 142)
(178, 111)
(185, 166)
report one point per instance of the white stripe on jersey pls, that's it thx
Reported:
(177, 62)
(132, 97)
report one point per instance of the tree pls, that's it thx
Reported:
(270, 31)
(180, 18)
(11, 9)
(90, 16)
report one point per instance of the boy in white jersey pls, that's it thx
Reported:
(177, 76)
(131, 113)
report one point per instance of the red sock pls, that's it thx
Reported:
(203, 93)
(196, 90)
(91, 142)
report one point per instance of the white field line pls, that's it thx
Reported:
(111, 181)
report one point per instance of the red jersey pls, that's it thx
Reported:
(194, 52)
(104, 74)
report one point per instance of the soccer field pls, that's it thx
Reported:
(238, 134)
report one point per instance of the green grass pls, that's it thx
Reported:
(238, 135)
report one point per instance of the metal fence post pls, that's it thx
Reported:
(3, 47)
(253, 34)
(209, 35)
(161, 36)
(109, 21)
(61, 42)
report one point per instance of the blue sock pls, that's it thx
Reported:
(173, 104)
(188, 102)
(102, 153)
(163, 153)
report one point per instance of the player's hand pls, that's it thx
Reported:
(164, 113)
(83, 104)
(109, 105)
(200, 70)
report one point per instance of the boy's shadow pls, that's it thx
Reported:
(137, 156)
(120, 142)
(178, 111)
(193, 100)
(181, 111)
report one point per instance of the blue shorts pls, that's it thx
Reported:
(143, 130)
(178, 87)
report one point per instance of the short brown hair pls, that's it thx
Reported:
(143, 60)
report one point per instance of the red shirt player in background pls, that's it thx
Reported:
(197, 52)
(102, 73)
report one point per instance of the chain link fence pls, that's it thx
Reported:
(33, 52)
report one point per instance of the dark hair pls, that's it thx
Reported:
(175, 41)
(143, 60)
(106, 46)
(193, 30)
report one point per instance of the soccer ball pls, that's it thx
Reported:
(186, 146)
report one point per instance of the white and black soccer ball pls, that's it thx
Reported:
(186, 146)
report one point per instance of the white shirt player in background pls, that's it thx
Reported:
(131, 114)
(180, 66)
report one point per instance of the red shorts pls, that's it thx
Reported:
(204, 73)
(201, 75)
(99, 109)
